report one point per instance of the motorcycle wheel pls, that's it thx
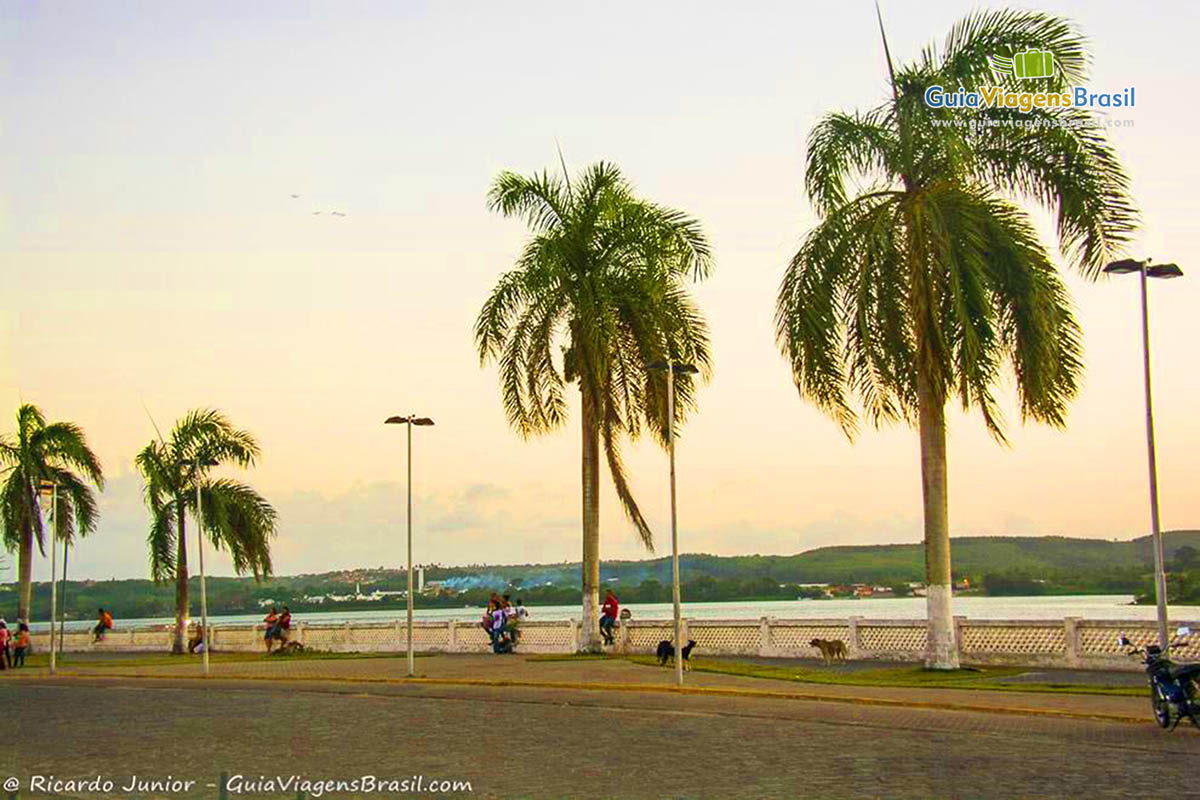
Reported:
(1162, 710)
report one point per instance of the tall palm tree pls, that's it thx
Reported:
(56, 452)
(235, 517)
(602, 277)
(929, 282)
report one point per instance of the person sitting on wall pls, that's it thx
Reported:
(196, 640)
(104, 623)
(283, 627)
(501, 639)
(608, 617)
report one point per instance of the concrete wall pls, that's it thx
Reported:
(1071, 642)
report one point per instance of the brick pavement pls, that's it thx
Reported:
(525, 742)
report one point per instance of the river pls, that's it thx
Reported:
(1115, 607)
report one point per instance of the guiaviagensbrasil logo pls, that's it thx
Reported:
(1030, 65)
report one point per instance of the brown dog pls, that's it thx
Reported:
(831, 649)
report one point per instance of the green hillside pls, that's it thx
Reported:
(1040, 556)
(996, 564)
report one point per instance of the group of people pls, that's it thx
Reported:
(502, 621)
(13, 647)
(278, 625)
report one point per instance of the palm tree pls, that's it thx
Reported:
(931, 281)
(235, 517)
(602, 277)
(55, 452)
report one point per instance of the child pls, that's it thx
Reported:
(5, 655)
(518, 616)
(23, 645)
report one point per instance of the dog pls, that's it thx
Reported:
(666, 652)
(288, 648)
(831, 649)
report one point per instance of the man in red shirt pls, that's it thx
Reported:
(608, 616)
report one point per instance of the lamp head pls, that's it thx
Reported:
(1124, 266)
(678, 369)
(1164, 271)
(200, 462)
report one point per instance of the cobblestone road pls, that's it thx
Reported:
(539, 743)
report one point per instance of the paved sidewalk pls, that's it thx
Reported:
(623, 675)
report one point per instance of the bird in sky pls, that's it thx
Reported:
(337, 213)
(316, 212)
(295, 196)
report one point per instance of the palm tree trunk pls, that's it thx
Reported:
(942, 651)
(181, 584)
(589, 640)
(25, 572)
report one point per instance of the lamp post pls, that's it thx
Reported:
(410, 421)
(50, 489)
(1145, 269)
(62, 622)
(672, 370)
(197, 463)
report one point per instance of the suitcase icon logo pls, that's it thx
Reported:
(1023, 66)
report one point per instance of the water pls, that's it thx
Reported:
(1106, 607)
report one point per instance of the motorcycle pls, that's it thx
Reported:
(1173, 689)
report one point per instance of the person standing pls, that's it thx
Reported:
(269, 620)
(5, 653)
(23, 644)
(518, 617)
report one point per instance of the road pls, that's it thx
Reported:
(551, 743)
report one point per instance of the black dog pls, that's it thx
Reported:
(666, 652)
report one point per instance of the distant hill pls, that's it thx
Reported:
(1037, 555)
(1042, 563)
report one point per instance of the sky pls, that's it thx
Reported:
(154, 261)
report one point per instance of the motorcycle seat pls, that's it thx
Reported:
(1188, 671)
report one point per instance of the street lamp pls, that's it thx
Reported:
(197, 463)
(672, 370)
(1146, 269)
(50, 489)
(62, 622)
(410, 421)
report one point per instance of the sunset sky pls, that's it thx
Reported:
(154, 261)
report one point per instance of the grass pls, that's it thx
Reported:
(899, 677)
(167, 659)
(916, 677)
